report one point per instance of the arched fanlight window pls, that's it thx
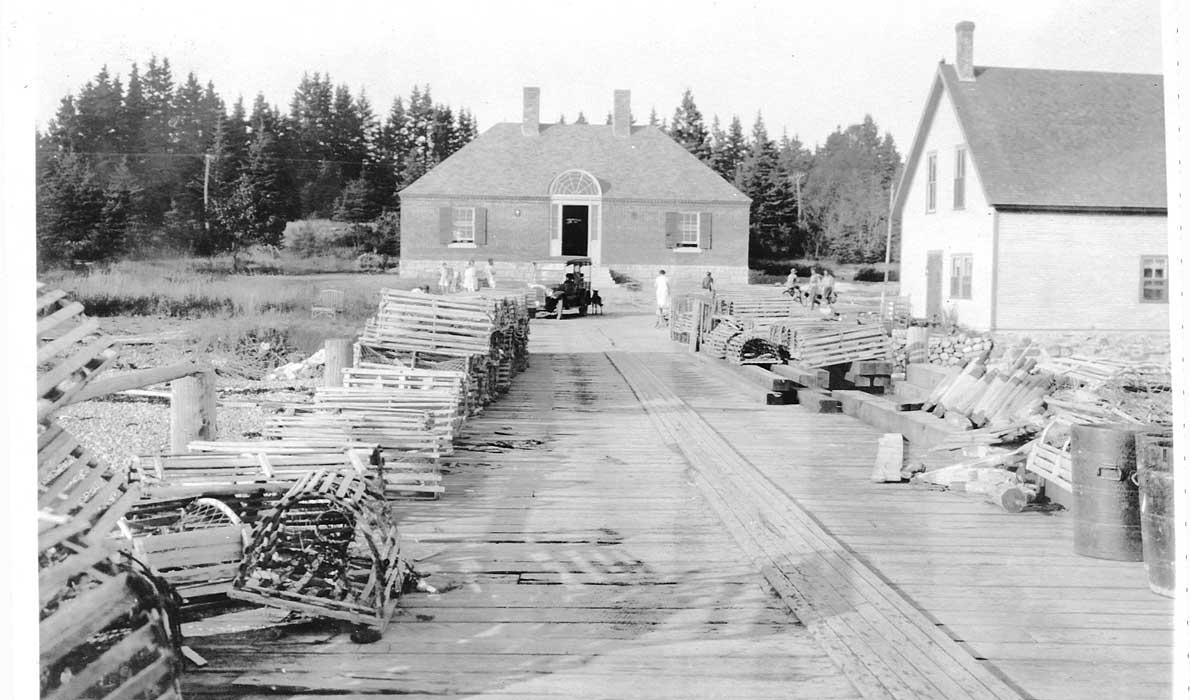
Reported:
(575, 183)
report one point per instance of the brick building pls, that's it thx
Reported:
(628, 197)
(1035, 200)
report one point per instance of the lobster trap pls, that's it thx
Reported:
(195, 545)
(107, 627)
(328, 549)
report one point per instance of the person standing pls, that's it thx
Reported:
(470, 279)
(708, 283)
(443, 278)
(661, 290)
(490, 271)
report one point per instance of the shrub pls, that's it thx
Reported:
(871, 274)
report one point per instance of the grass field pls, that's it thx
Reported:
(224, 311)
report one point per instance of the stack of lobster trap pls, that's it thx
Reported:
(107, 625)
(299, 520)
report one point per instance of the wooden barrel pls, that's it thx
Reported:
(1105, 504)
(1154, 463)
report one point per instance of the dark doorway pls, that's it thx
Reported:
(574, 229)
(933, 282)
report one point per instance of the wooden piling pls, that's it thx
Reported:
(339, 355)
(191, 410)
(917, 342)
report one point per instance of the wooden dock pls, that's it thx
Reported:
(628, 523)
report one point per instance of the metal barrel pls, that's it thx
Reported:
(1154, 463)
(1105, 502)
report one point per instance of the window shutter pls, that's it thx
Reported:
(446, 225)
(672, 225)
(481, 226)
(555, 221)
(704, 230)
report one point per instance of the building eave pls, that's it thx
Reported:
(1079, 209)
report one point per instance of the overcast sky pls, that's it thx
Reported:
(808, 67)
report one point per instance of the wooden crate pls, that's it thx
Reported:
(328, 549)
(1050, 454)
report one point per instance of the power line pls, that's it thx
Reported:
(52, 151)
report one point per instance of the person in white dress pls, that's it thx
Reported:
(470, 279)
(443, 279)
(661, 288)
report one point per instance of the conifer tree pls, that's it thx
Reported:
(654, 120)
(688, 129)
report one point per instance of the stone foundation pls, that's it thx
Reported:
(1121, 345)
(685, 276)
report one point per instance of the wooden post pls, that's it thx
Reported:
(695, 323)
(917, 341)
(192, 410)
(339, 354)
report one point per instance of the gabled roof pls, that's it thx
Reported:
(503, 162)
(1050, 139)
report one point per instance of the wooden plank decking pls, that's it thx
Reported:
(1006, 587)
(700, 544)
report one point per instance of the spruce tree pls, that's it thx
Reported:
(847, 190)
(689, 130)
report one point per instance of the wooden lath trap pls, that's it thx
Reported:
(329, 549)
(106, 625)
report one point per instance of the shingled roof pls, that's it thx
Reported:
(647, 165)
(1051, 139)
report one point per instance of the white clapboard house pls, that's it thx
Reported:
(1035, 200)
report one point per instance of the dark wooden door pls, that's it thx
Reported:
(575, 220)
(933, 282)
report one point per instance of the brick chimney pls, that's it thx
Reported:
(622, 114)
(964, 59)
(531, 119)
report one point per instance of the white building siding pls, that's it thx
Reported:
(952, 231)
(1077, 272)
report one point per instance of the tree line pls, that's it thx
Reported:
(151, 166)
(829, 201)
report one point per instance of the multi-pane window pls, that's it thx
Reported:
(464, 225)
(1154, 278)
(688, 227)
(960, 177)
(960, 277)
(931, 182)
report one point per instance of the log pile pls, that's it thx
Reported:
(992, 393)
(107, 627)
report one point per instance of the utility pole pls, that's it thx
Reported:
(892, 188)
(206, 189)
(797, 176)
